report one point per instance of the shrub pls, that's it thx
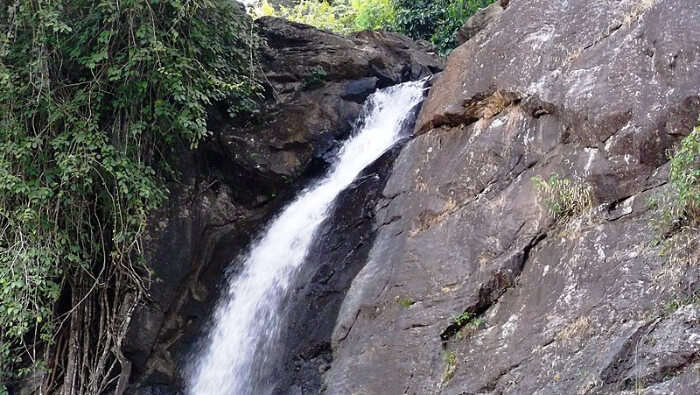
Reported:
(563, 197)
(463, 318)
(320, 14)
(418, 19)
(373, 14)
(456, 13)
(680, 207)
(685, 178)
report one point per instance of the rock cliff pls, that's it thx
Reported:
(315, 84)
(472, 285)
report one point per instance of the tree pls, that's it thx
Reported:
(94, 95)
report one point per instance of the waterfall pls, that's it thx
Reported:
(246, 324)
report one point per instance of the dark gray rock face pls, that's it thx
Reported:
(472, 286)
(233, 183)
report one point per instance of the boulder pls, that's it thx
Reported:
(472, 284)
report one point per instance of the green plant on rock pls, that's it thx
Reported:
(685, 179)
(463, 318)
(678, 209)
(95, 97)
(469, 328)
(675, 304)
(340, 16)
(450, 360)
(681, 205)
(316, 78)
(455, 14)
(475, 323)
(563, 197)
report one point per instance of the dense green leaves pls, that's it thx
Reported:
(678, 205)
(419, 19)
(373, 14)
(93, 96)
(434, 20)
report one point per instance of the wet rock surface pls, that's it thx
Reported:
(472, 285)
(233, 184)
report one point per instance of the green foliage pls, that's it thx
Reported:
(469, 327)
(418, 19)
(456, 13)
(373, 14)
(340, 16)
(675, 304)
(467, 320)
(436, 21)
(94, 94)
(316, 78)
(563, 197)
(685, 178)
(678, 209)
(320, 14)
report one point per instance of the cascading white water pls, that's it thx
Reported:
(247, 318)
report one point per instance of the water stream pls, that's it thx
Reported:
(246, 324)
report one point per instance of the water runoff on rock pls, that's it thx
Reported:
(246, 324)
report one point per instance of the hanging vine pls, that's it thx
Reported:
(94, 95)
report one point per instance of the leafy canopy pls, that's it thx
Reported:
(340, 16)
(434, 20)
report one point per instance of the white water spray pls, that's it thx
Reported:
(247, 319)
